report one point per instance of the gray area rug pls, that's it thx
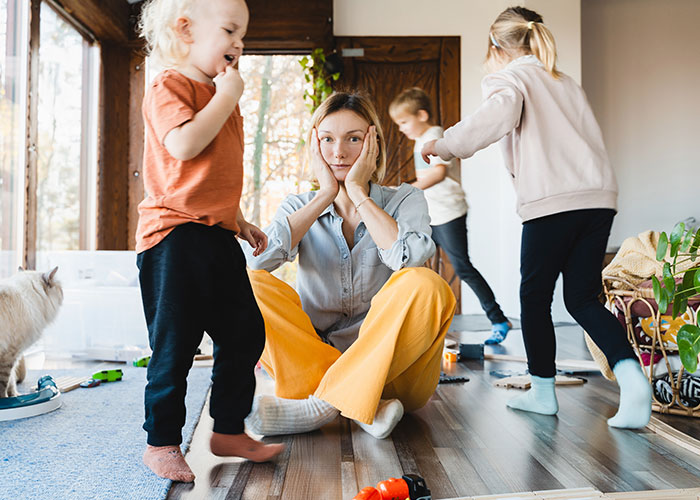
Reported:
(91, 447)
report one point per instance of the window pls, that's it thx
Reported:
(276, 120)
(13, 103)
(66, 138)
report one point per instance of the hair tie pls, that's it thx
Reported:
(493, 41)
(530, 24)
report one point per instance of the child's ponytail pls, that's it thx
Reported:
(543, 47)
(519, 31)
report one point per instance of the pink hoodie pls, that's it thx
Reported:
(551, 142)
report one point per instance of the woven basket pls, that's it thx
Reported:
(642, 298)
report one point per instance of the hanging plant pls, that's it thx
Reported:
(320, 74)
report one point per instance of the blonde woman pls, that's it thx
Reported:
(567, 195)
(363, 333)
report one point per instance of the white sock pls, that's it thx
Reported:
(389, 412)
(541, 397)
(272, 416)
(635, 396)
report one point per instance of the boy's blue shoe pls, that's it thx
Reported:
(500, 331)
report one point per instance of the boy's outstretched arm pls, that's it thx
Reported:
(430, 176)
(189, 139)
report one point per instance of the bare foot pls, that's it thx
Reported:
(168, 462)
(242, 445)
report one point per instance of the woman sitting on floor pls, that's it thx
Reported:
(363, 335)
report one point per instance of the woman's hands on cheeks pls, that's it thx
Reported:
(328, 184)
(357, 180)
(253, 235)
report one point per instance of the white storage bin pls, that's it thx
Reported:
(102, 306)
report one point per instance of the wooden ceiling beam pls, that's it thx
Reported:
(108, 20)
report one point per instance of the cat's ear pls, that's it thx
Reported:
(49, 276)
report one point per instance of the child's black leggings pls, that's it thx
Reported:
(572, 243)
(195, 280)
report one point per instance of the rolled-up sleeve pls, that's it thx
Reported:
(414, 246)
(279, 240)
(497, 116)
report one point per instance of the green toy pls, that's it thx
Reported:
(108, 375)
(142, 361)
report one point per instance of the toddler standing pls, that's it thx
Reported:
(412, 111)
(192, 270)
(567, 194)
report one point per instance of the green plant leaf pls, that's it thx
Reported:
(696, 279)
(687, 240)
(680, 304)
(688, 340)
(665, 299)
(677, 233)
(656, 286)
(662, 246)
(667, 270)
(670, 285)
(696, 241)
(689, 360)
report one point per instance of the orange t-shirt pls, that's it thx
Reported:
(205, 189)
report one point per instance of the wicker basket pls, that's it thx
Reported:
(624, 300)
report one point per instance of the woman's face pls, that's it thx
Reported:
(341, 136)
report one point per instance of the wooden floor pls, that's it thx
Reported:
(464, 442)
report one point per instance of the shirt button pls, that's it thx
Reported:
(345, 256)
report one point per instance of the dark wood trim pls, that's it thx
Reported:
(113, 156)
(107, 20)
(30, 183)
(137, 85)
(289, 27)
(449, 103)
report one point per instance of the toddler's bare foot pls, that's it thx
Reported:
(168, 462)
(242, 445)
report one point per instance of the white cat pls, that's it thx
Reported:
(29, 301)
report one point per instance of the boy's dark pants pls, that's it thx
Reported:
(196, 280)
(452, 237)
(572, 243)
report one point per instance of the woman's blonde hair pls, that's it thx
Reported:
(157, 26)
(518, 30)
(363, 107)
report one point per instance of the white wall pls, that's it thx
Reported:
(494, 228)
(641, 71)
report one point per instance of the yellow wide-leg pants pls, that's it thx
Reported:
(397, 354)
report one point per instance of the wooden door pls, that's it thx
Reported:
(384, 66)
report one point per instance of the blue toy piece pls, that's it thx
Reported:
(46, 398)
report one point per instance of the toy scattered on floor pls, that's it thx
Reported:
(90, 383)
(142, 361)
(451, 379)
(523, 381)
(507, 373)
(46, 398)
(450, 355)
(113, 375)
(409, 487)
(471, 351)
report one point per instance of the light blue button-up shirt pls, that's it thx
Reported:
(336, 283)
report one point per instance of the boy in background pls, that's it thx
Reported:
(412, 111)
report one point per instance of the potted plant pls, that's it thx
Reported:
(677, 287)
